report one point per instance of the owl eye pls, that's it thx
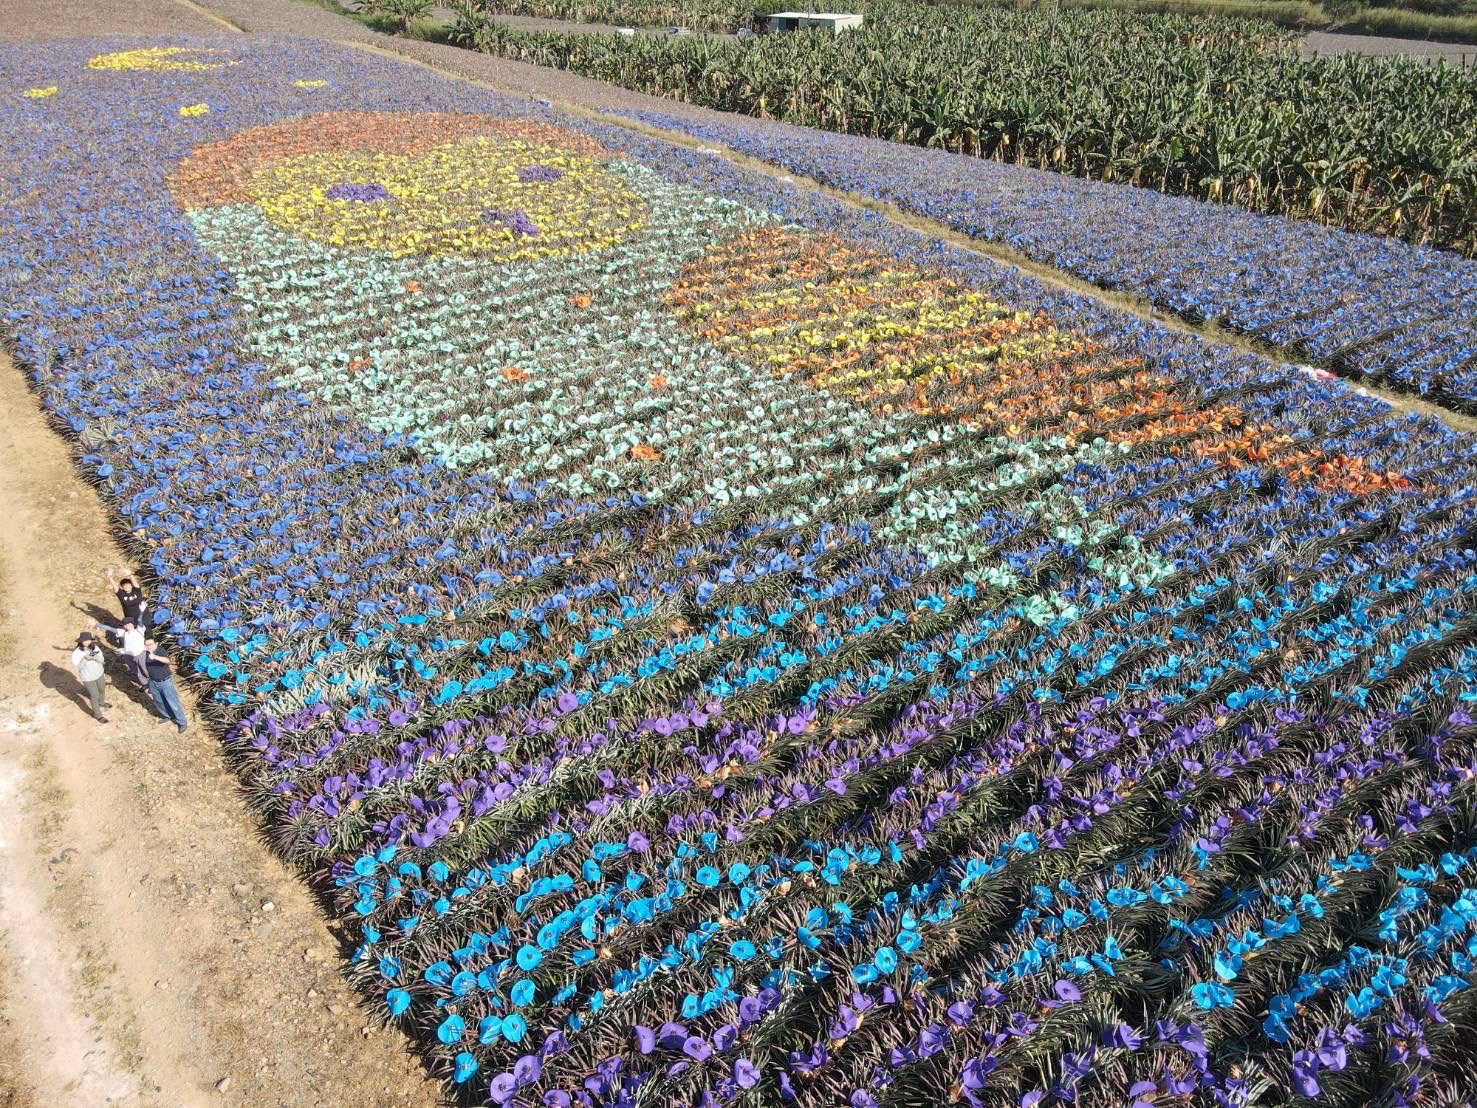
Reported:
(363, 191)
(514, 219)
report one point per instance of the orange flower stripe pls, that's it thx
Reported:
(856, 322)
(218, 173)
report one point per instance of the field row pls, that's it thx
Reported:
(712, 646)
(1385, 311)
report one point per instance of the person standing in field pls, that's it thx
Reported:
(130, 638)
(87, 660)
(161, 685)
(130, 598)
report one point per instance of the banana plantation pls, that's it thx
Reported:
(1213, 109)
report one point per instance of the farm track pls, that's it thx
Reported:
(1331, 42)
(157, 971)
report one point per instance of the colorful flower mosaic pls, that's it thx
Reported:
(712, 646)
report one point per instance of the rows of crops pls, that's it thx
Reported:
(717, 16)
(725, 16)
(711, 646)
(1386, 312)
(1169, 103)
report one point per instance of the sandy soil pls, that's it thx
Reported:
(152, 950)
(24, 21)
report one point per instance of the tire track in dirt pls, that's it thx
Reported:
(60, 1040)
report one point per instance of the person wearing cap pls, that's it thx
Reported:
(161, 685)
(87, 660)
(130, 638)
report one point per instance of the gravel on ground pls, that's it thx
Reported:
(1326, 42)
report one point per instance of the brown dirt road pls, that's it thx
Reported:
(37, 20)
(152, 950)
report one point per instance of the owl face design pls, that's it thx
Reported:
(517, 301)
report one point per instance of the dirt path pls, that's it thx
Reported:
(1329, 42)
(152, 950)
(22, 21)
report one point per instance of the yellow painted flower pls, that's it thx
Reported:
(507, 199)
(308, 84)
(39, 93)
(157, 57)
(195, 109)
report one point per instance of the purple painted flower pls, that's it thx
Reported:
(845, 1023)
(531, 173)
(1122, 1036)
(697, 1048)
(527, 1069)
(1331, 1050)
(645, 1039)
(745, 1073)
(1066, 991)
(364, 192)
(1305, 1073)
(935, 1038)
(724, 1036)
(514, 219)
(1078, 1066)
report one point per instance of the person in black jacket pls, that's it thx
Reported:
(130, 597)
(161, 685)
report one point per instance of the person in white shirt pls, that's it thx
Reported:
(87, 660)
(130, 638)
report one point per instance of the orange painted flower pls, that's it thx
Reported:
(581, 300)
(514, 374)
(658, 382)
(357, 364)
(412, 286)
(644, 453)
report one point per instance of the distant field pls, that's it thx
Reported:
(1213, 109)
(1442, 20)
